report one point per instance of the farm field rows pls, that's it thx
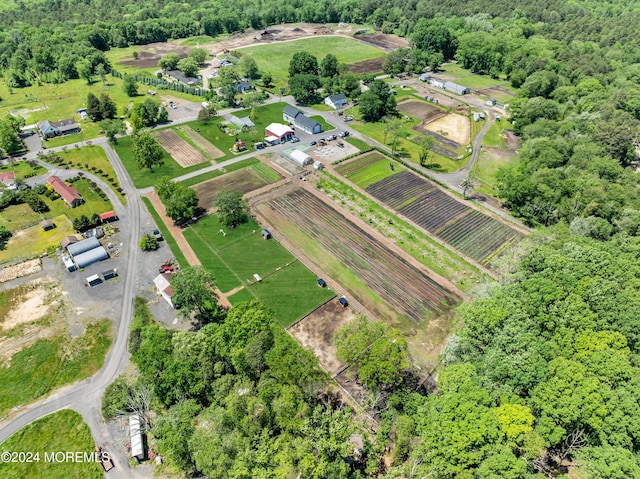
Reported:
(244, 180)
(287, 286)
(181, 151)
(411, 292)
(368, 168)
(202, 142)
(471, 232)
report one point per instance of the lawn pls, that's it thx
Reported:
(50, 363)
(469, 79)
(146, 177)
(486, 167)
(372, 172)
(171, 242)
(56, 102)
(34, 240)
(59, 432)
(274, 58)
(494, 137)
(287, 286)
(89, 157)
(22, 169)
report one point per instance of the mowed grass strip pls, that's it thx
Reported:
(50, 363)
(372, 173)
(275, 57)
(291, 293)
(59, 432)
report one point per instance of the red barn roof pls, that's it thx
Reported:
(7, 176)
(107, 215)
(68, 193)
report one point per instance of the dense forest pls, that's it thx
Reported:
(540, 379)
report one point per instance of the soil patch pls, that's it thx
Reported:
(383, 40)
(202, 143)
(244, 180)
(419, 109)
(32, 308)
(367, 66)
(511, 140)
(455, 127)
(316, 332)
(21, 269)
(181, 151)
(148, 55)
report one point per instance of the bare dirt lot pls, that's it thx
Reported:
(455, 127)
(179, 149)
(20, 269)
(383, 40)
(148, 55)
(315, 332)
(367, 66)
(511, 141)
(419, 109)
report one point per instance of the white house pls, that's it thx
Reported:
(336, 101)
(163, 285)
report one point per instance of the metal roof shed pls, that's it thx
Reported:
(89, 257)
(137, 449)
(83, 246)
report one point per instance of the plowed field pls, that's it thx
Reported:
(179, 149)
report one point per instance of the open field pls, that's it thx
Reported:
(316, 332)
(202, 143)
(215, 173)
(369, 168)
(287, 286)
(22, 168)
(411, 292)
(244, 180)
(146, 177)
(61, 431)
(181, 151)
(275, 57)
(454, 127)
(474, 234)
(34, 240)
(427, 112)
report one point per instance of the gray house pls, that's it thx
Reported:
(244, 86)
(296, 118)
(49, 129)
(336, 101)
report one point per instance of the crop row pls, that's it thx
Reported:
(471, 232)
(406, 289)
(353, 166)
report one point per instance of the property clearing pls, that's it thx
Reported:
(455, 127)
(32, 308)
(202, 143)
(421, 110)
(181, 151)
(33, 241)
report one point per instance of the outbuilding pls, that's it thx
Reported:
(83, 246)
(108, 217)
(68, 240)
(300, 158)
(456, 88)
(94, 280)
(318, 165)
(89, 257)
(68, 263)
(266, 234)
(281, 132)
(47, 225)
(135, 432)
(110, 273)
(163, 285)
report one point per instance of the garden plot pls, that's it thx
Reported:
(421, 110)
(408, 290)
(369, 168)
(471, 232)
(202, 143)
(243, 180)
(181, 151)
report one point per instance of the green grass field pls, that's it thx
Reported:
(22, 168)
(93, 156)
(145, 177)
(287, 286)
(274, 58)
(494, 137)
(59, 432)
(35, 240)
(374, 172)
(488, 164)
(50, 363)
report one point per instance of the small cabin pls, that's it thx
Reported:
(343, 301)
(47, 225)
(266, 234)
(322, 283)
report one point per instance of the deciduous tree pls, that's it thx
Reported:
(147, 151)
(232, 209)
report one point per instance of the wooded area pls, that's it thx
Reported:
(540, 380)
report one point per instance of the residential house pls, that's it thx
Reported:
(336, 101)
(243, 86)
(177, 75)
(49, 129)
(299, 120)
(68, 193)
(8, 179)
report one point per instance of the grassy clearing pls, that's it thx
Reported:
(118, 55)
(62, 431)
(56, 102)
(22, 169)
(325, 126)
(287, 286)
(169, 239)
(50, 363)
(372, 173)
(275, 57)
(488, 164)
(144, 178)
(35, 240)
(93, 156)
(494, 138)
(469, 79)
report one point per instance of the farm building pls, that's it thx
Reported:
(47, 225)
(8, 179)
(177, 75)
(89, 257)
(135, 432)
(163, 285)
(110, 273)
(94, 280)
(49, 129)
(68, 193)
(68, 240)
(336, 101)
(318, 165)
(425, 77)
(297, 119)
(82, 246)
(245, 123)
(266, 234)
(455, 88)
(278, 131)
(108, 217)
(300, 158)
(68, 263)
(436, 83)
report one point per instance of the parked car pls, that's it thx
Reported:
(348, 118)
(313, 143)
(295, 139)
(340, 144)
(343, 134)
